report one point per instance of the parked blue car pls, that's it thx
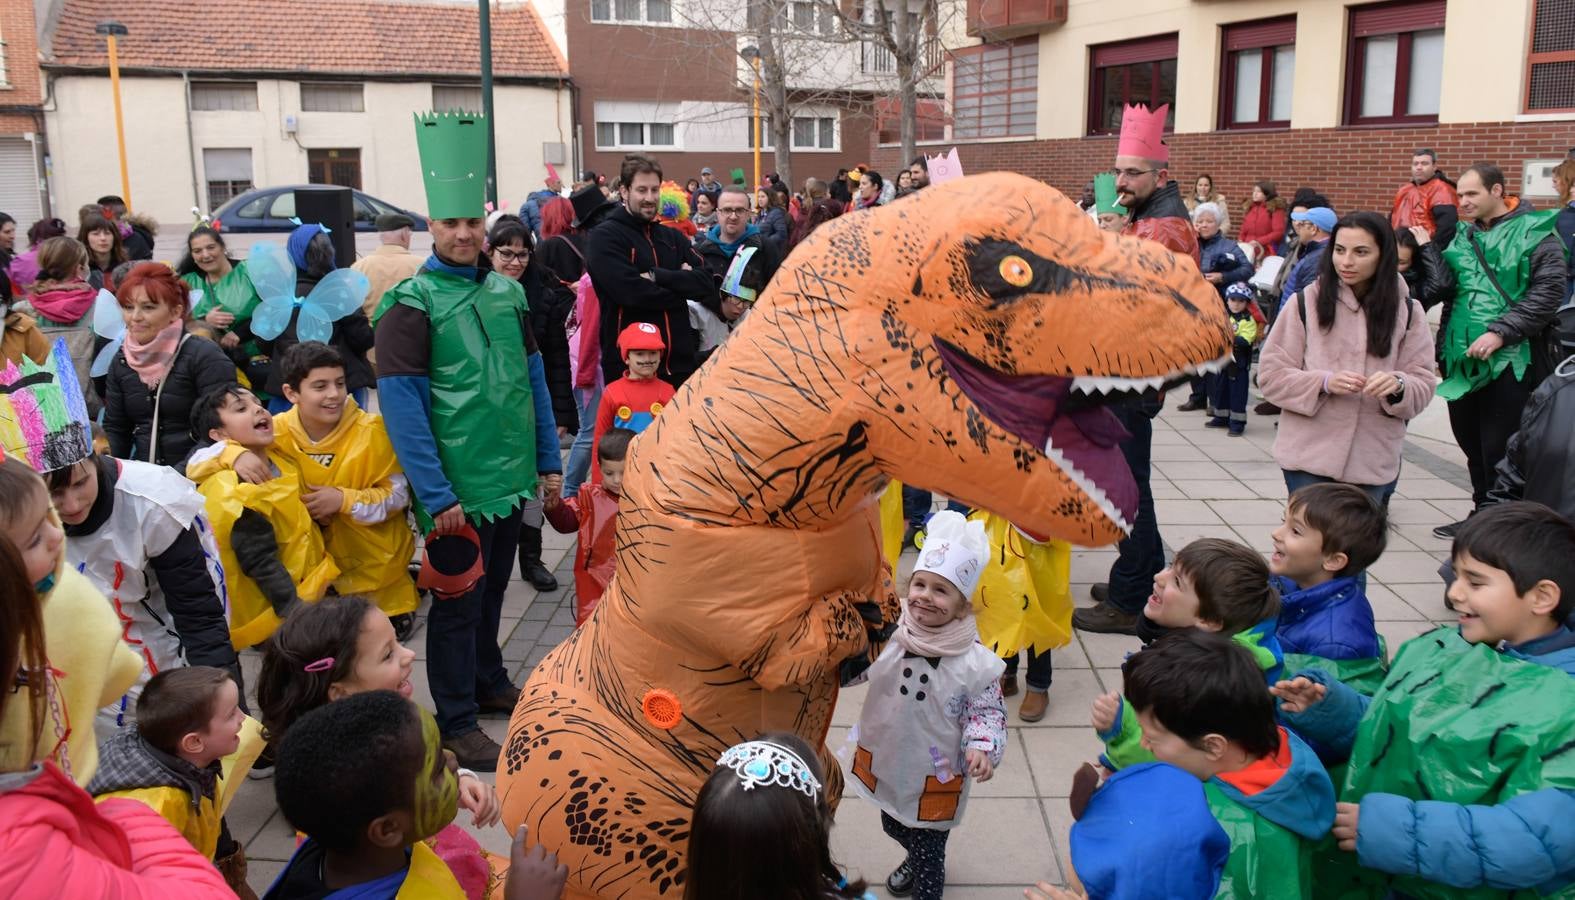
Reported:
(270, 209)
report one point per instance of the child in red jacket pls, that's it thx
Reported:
(633, 401)
(594, 513)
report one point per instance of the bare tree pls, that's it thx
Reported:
(906, 29)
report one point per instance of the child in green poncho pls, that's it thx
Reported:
(1461, 779)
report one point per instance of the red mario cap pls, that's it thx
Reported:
(640, 336)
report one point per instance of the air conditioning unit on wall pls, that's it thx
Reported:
(554, 152)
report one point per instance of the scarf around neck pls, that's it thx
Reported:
(152, 361)
(952, 639)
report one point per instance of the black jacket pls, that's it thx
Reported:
(139, 244)
(620, 251)
(199, 367)
(550, 302)
(1431, 281)
(352, 337)
(1565, 227)
(1539, 463)
(181, 571)
(717, 259)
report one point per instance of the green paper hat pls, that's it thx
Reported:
(738, 176)
(453, 148)
(1105, 195)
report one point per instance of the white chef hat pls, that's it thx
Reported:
(955, 549)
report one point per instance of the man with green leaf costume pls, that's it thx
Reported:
(464, 396)
(1498, 342)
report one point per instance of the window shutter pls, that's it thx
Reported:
(1143, 50)
(1250, 35)
(1390, 18)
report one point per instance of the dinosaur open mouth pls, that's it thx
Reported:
(1068, 419)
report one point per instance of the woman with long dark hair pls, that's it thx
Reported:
(1349, 361)
(1263, 219)
(105, 251)
(228, 297)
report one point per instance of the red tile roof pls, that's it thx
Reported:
(349, 37)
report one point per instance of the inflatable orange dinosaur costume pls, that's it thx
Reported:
(965, 339)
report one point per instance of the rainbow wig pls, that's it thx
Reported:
(672, 205)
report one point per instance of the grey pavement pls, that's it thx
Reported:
(1015, 829)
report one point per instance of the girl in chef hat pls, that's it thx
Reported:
(934, 720)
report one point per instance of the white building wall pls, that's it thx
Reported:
(160, 158)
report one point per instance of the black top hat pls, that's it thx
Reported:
(588, 201)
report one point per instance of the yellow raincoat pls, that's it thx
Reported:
(301, 549)
(199, 823)
(369, 539)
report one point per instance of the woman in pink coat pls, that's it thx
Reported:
(1350, 361)
(54, 841)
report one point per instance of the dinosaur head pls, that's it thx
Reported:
(1005, 324)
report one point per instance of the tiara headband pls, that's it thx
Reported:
(762, 762)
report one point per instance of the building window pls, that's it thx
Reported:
(1550, 67)
(659, 12)
(224, 96)
(340, 167)
(814, 133)
(5, 71)
(228, 171)
(634, 135)
(1260, 59)
(929, 121)
(995, 90)
(1395, 63)
(1140, 71)
(332, 97)
(465, 97)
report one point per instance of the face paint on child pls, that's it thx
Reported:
(437, 788)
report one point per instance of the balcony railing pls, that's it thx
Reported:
(1001, 19)
(875, 59)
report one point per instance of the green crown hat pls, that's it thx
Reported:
(1105, 194)
(453, 148)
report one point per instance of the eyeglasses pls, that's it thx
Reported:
(509, 256)
(1131, 173)
(734, 210)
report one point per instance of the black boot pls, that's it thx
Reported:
(531, 568)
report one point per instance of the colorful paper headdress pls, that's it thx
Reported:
(738, 176)
(453, 148)
(955, 549)
(765, 763)
(43, 416)
(1143, 133)
(672, 205)
(1105, 195)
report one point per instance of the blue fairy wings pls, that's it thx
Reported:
(339, 294)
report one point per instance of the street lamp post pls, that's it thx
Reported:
(111, 31)
(752, 53)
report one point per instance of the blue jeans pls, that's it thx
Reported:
(1295, 481)
(589, 399)
(464, 661)
(1142, 553)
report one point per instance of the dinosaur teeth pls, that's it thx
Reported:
(1210, 368)
(1104, 384)
(1087, 486)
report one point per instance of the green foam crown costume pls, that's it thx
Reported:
(453, 148)
(482, 418)
(1105, 195)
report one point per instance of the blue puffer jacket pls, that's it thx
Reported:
(1527, 841)
(1306, 271)
(1223, 255)
(1332, 620)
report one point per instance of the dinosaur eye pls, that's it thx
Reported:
(1016, 272)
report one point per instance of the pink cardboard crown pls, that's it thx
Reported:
(1142, 133)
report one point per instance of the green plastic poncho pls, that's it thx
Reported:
(233, 293)
(1266, 862)
(1507, 248)
(483, 417)
(1362, 675)
(1460, 723)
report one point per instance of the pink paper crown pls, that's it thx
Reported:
(1142, 133)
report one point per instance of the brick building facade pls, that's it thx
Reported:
(22, 149)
